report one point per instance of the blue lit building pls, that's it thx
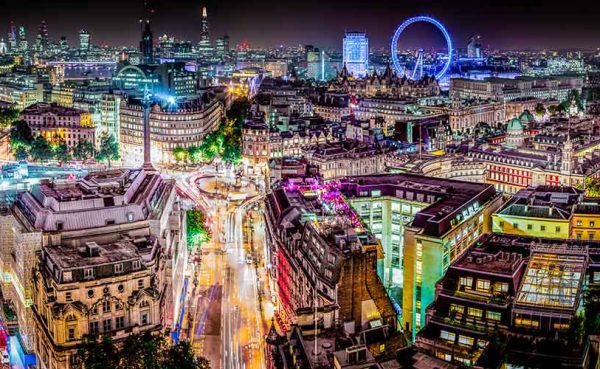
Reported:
(356, 53)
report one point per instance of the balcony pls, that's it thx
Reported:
(474, 325)
(497, 299)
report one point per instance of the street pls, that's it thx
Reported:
(228, 324)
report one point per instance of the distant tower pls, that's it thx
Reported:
(567, 160)
(205, 33)
(204, 45)
(3, 47)
(12, 37)
(356, 53)
(42, 37)
(23, 44)
(64, 44)
(85, 39)
(147, 42)
(474, 47)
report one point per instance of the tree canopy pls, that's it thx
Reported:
(8, 116)
(84, 150)
(40, 149)
(109, 149)
(197, 230)
(138, 351)
(20, 134)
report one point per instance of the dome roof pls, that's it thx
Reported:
(514, 125)
(526, 117)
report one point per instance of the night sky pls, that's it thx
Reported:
(503, 24)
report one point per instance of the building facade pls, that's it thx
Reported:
(356, 53)
(59, 124)
(104, 254)
(181, 126)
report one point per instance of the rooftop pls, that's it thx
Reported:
(450, 201)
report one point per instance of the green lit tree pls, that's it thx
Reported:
(20, 134)
(181, 356)
(197, 231)
(194, 154)
(8, 116)
(180, 154)
(21, 153)
(84, 150)
(61, 152)
(40, 150)
(109, 149)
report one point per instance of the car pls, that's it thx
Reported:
(249, 259)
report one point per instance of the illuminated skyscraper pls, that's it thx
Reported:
(474, 47)
(23, 44)
(222, 46)
(84, 41)
(356, 53)
(41, 42)
(146, 44)
(12, 37)
(205, 47)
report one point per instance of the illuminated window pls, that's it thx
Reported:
(493, 315)
(542, 228)
(459, 309)
(475, 312)
(466, 282)
(465, 341)
(502, 287)
(557, 229)
(483, 285)
(447, 336)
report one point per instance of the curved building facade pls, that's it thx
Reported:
(184, 125)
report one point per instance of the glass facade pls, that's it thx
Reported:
(356, 53)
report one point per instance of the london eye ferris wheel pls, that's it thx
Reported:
(439, 68)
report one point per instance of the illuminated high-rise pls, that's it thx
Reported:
(356, 53)
(12, 37)
(474, 47)
(146, 44)
(23, 44)
(204, 47)
(42, 37)
(84, 41)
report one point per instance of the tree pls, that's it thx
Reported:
(575, 332)
(180, 154)
(61, 152)
(98, 353)
(181, 356)
(109, 149)
(540, 110)
(194, 154)
(553, 109)
(8, 116)
(138, 351)
(232, 152)
(21, 153)
(40, 149)
(197, 231)
(84, 150)
(20, 134)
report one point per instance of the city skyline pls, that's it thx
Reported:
(510, 25)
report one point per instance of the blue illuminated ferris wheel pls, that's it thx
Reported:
(417, 71)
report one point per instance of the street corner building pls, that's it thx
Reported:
(100, 255)
(373, 247)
